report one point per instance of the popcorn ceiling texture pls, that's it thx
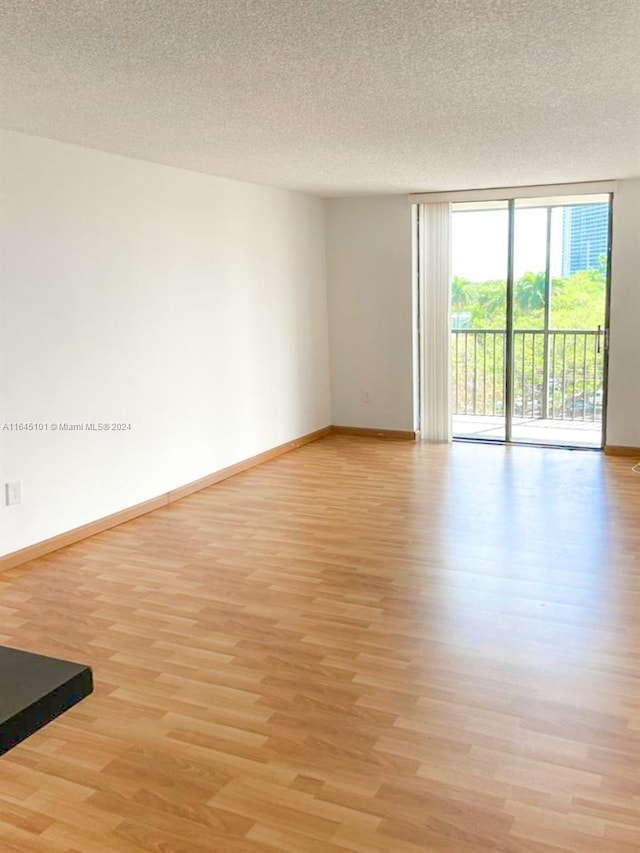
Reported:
(335, 97)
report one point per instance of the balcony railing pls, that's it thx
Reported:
(556, 374)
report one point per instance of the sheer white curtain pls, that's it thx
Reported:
(435, 325)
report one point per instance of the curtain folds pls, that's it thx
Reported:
(435, 291)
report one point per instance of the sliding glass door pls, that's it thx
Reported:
(530, 316)
(529, 320)
(480, 239)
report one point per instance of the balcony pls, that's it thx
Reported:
(558, 385)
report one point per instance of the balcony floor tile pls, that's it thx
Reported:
(530, 430)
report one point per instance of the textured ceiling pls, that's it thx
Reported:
(335, 96)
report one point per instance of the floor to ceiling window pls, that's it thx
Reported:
(528, 320)
(528, 317)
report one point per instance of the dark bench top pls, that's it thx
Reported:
(35, 690)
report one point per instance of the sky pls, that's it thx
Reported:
(480, 243)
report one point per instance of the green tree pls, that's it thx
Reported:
(459, 294)
(530, 292)
(577, 304)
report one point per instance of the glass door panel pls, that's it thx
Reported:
(480, 237)
(578, 322)
(530, 315)
(559, 315)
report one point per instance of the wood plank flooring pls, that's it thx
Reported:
(362, 646)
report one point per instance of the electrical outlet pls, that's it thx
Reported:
(13, 492)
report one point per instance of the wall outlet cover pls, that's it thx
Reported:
(13, 492)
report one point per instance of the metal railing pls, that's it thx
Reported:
(556, 374)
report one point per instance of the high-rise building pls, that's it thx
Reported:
(585, 236)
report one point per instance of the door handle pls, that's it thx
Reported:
(605, 334)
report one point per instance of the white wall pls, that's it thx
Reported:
(191, 307)
(623, 410)
(370, 311)
(369, 281)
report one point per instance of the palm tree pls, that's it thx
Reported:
(530, 291)
(459, 293)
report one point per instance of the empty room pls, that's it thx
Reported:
(319, 426)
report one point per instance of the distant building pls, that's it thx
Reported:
(585, 235)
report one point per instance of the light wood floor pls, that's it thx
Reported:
(363, 646)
